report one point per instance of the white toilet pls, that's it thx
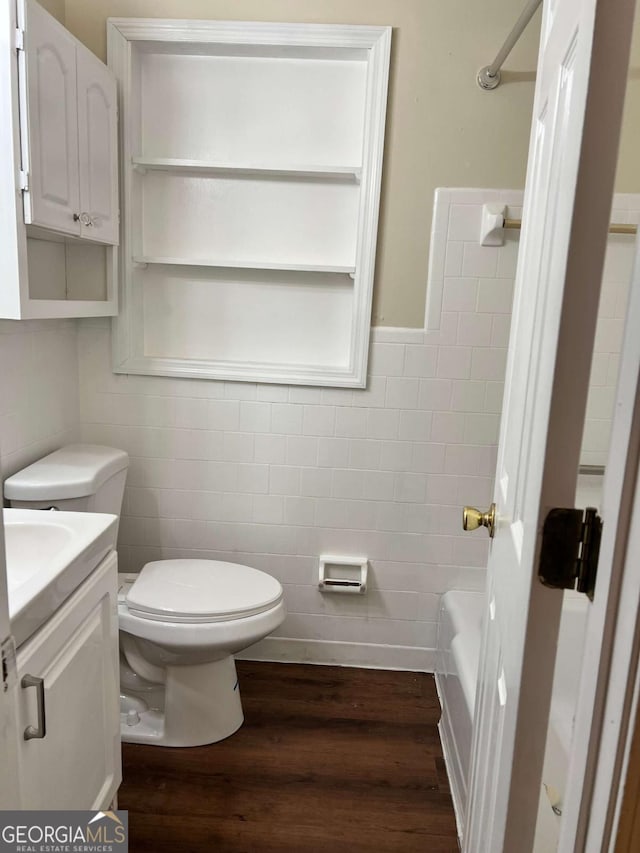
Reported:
(181, 621)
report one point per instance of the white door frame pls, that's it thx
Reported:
(622, 699)
(608, 689)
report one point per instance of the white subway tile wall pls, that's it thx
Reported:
(39, 409)
(609, 331)
(274, 476)
(475, 284)
(292, 473)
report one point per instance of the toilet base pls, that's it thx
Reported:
(196, 705)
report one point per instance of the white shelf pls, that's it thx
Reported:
(177, 166)
(252, 174)
(144, 260)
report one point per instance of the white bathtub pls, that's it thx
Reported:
(459, 634)
(456, 672)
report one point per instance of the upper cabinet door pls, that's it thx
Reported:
(98, 149)
(53, 196)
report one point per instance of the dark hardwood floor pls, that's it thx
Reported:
(328, 759)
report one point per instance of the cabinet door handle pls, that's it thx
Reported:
(40, 730)
(84, 219)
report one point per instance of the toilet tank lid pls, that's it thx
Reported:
(75, 471)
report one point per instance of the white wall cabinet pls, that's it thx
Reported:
(97, 149)
(50, 138)
(69, 144)
(59, 189)
(252, 158)
(76, 764)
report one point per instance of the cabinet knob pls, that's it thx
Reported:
(40, 730)
(473, 518)
(84, 219)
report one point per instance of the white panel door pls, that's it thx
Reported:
(572, 156)
(98, 149)
(75, 763)
(50, 143)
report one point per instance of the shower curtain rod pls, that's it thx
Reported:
(489, 76)
(614, 228)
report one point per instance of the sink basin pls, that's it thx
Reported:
(49, 554)
(29, 545)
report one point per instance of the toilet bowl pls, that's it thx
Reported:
(180, 621)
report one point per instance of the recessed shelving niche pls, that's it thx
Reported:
(253, 160)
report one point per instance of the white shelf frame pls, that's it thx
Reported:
(144, 261)
(123, 35)
(200, 167)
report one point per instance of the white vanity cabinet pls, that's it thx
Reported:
(69, 143)
(59, 217)
(71, 758)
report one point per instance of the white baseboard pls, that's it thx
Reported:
(366, 655)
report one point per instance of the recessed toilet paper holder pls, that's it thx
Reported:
(343, 574)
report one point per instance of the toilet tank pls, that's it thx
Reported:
(76, 478)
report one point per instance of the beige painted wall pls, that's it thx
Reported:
(55, 8)
(628, 178)
(442, 130)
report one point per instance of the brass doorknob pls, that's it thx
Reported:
(472, 518)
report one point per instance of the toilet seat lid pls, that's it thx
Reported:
(201, 591)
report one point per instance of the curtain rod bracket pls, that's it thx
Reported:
(494, 222)
(486, 80)
(489, 77)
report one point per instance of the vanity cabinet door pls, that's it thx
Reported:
(97, 149)
(50, 143)
(76, 765)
